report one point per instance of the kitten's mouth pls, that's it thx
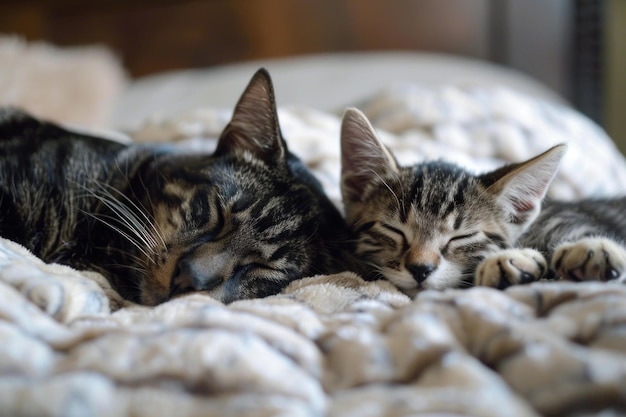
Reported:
(411, 290)
(178, 288)
(177, 291)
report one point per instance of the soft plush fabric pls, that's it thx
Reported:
(327, 346)
(76, 86)
(325, 82)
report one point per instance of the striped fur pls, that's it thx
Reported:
(430, 225)
(240, 223)
(596, 228)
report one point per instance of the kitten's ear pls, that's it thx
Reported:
(520, 188)
(254, 126)
(364, 159)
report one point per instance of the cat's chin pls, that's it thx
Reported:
(404, 282)
(415, 291)
(446, 276)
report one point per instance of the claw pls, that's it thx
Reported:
(611, 274)
(527, 277)
(504, 282)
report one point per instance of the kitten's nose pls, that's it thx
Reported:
(421, 271)
(189, 277)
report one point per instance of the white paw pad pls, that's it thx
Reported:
(511, 267)
(590, 259)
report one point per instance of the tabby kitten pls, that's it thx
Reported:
(435, 225)
(158, 222)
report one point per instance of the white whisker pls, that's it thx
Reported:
(138, 209)
(121, 232)
(388, 187)
(155, 225)
(138, 231)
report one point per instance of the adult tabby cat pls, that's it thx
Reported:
(436, 225)
(158, 222)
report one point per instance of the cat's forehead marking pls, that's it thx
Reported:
(175, 189)
(437, 188)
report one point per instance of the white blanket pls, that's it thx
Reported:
(331, 345)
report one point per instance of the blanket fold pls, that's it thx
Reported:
(328, 345)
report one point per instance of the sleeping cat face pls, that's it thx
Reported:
(241, 223)
(428, 226)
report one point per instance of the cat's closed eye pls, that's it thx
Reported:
(399, 232)
(463, 236)
(462, 241)
(394, 229)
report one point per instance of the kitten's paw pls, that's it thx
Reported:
(510, 267)
(590, 259)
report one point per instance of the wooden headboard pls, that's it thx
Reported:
(547, 40)
(153, 36)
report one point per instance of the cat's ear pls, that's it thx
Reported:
(520, 188)
(254, 127)
(364, 159)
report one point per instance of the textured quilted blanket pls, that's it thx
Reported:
(327, 346)
(333, 345)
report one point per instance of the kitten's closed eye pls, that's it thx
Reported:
(463, 237)
(458, 240)
(394, 229)
(399, 232)
(376, 236)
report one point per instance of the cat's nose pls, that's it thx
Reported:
(421, 271)
(189, 277)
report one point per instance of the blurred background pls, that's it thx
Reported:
(574, 47)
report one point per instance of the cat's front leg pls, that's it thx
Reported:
(510, 267)
(590, 259)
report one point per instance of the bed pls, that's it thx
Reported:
(326, 345)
